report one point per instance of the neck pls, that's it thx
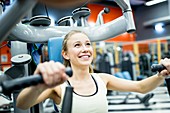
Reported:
(80, 73)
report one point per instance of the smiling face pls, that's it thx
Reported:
(79, 50)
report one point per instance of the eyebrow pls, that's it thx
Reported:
(80, 41)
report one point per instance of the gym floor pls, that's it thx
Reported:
(159, 103)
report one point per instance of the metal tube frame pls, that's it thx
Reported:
(31, 34)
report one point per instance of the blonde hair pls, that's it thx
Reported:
(65, 48)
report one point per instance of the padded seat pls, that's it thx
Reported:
(54, 52)
(55, 48)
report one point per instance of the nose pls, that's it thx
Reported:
(84, 48)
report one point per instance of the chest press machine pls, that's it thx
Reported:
(31, 34)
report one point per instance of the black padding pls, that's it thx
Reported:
(81, 12)
(40, 21)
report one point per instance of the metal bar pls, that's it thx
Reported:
(1, 7)
(38, 35)
(12, 16)
(124, 5)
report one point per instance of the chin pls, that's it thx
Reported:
(86, 63)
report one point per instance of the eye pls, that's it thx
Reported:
(76, 45)
(88, 43)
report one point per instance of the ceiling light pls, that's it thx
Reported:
(159, 27)
(153, 2)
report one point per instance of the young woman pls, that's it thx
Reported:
(89, 88)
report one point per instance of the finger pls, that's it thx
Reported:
(63, 78)
(49, 72)
(59, 70)
(164, 73)
(42, 71)
(55, 73)
(166, 63)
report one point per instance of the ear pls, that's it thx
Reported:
(65, 56)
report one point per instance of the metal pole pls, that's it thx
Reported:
(16, 50)
(12, 16)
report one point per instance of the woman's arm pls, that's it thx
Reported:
(31, 96)
(53, 74)
(150, 83)
(143, 86)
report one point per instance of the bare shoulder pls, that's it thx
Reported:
(105, 77)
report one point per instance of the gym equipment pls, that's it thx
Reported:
(17, 11)
(40, 21)
(54, 52)
(9, 86)
(19, 60)
(158, 68)
(54, 49)
(81, 14)
(66, 21)
(2, 7)
(99, 20)
(145, 99)
(144, 61)
(17, 70)
(142, 100)
(27, 33)
(33, 34)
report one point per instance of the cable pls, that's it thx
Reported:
(8, 44)
(46, 10)
(3, 46)
(85, 3)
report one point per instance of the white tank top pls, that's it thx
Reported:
(96, 103)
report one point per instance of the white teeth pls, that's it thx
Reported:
(85, 56)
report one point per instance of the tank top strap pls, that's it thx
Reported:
(100, 82)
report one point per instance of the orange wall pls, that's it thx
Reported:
(5, 56)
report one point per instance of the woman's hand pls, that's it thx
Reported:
(166, 72)
(53, 73)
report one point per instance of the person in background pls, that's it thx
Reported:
(90, 88)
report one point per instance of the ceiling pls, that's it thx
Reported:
(134, 3)
(138, 2)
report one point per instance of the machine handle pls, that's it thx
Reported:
(16, 84)
(10, 85)
(159, 68)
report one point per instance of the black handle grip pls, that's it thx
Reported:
(157, 67)
(69, 71)
(10, 85)
(16, 84)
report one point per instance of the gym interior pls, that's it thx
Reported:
(123, 47)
